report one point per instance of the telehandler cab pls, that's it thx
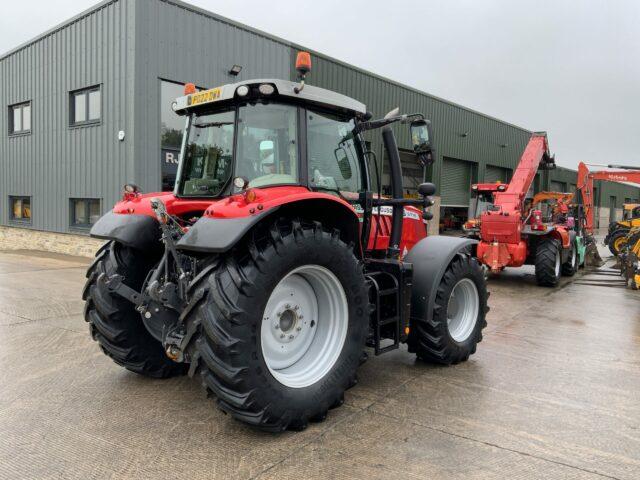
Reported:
(272, 263)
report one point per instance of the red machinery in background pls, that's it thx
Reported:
(618, 230)
(512, 233)
(481, 200)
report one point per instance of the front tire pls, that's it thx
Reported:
(459, 315)
(548, 262)
(617, 241)
(570, 267)
(267, 362)
(114, 322)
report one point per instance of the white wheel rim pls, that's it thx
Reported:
(304, 326)
(574, 258)
(558, 263)
(462, 309)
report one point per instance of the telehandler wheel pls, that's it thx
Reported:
(283, 320)
(570, 267)
(617, 240)
(458, 317)
(114, 322)
(548, 262)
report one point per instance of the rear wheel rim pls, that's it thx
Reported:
(557, 271)
(574, 258)
(304, 326)
(462, 309)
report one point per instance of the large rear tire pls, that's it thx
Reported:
(114, 322)
(617, 241)
(453, 333)
(284, 320)
(548, 262)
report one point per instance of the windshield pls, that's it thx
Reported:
(208, 155)
(267, 144)
(266, 152)
(480, 204)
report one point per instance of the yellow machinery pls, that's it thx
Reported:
(629, 258)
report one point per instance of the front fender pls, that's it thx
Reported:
(136, 231)
(430, 258)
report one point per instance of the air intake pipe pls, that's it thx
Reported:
(390, 145)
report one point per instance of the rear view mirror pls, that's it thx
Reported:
(343, 163)
(422, 140)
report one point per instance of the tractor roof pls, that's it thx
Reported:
(283, 89)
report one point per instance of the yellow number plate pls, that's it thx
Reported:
(206, 96)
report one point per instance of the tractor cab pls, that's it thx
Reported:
(631, 211)
(260, 134)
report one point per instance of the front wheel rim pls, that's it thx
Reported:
(304, 326)
(462, 309)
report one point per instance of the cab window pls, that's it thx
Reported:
(208, 155)
(332, 155)
(267, 145)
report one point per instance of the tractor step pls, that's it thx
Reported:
(390, 294)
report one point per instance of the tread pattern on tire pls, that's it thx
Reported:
(225, 303)
(431, 340)
(545, 262)
(116, 325)
(613, 237)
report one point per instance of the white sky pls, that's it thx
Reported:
(570, 67)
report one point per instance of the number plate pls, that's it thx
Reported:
(205, 97)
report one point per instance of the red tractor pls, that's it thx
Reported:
(272, 264)
(512, 233)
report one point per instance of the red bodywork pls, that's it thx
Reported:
(501, 229)
(265, 199)
(585, 186)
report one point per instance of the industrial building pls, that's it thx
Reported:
(88, 108)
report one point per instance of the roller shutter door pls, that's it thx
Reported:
(494, 174)
(412, 174)
(558, 186)
(455, 183)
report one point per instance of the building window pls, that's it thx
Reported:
(85, 106)
(20, 118)
(20, 209)
(84, 212)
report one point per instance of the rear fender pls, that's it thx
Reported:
(218, 235)
(141, 232)
(430, 258)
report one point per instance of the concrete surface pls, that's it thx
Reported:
(553, 392)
